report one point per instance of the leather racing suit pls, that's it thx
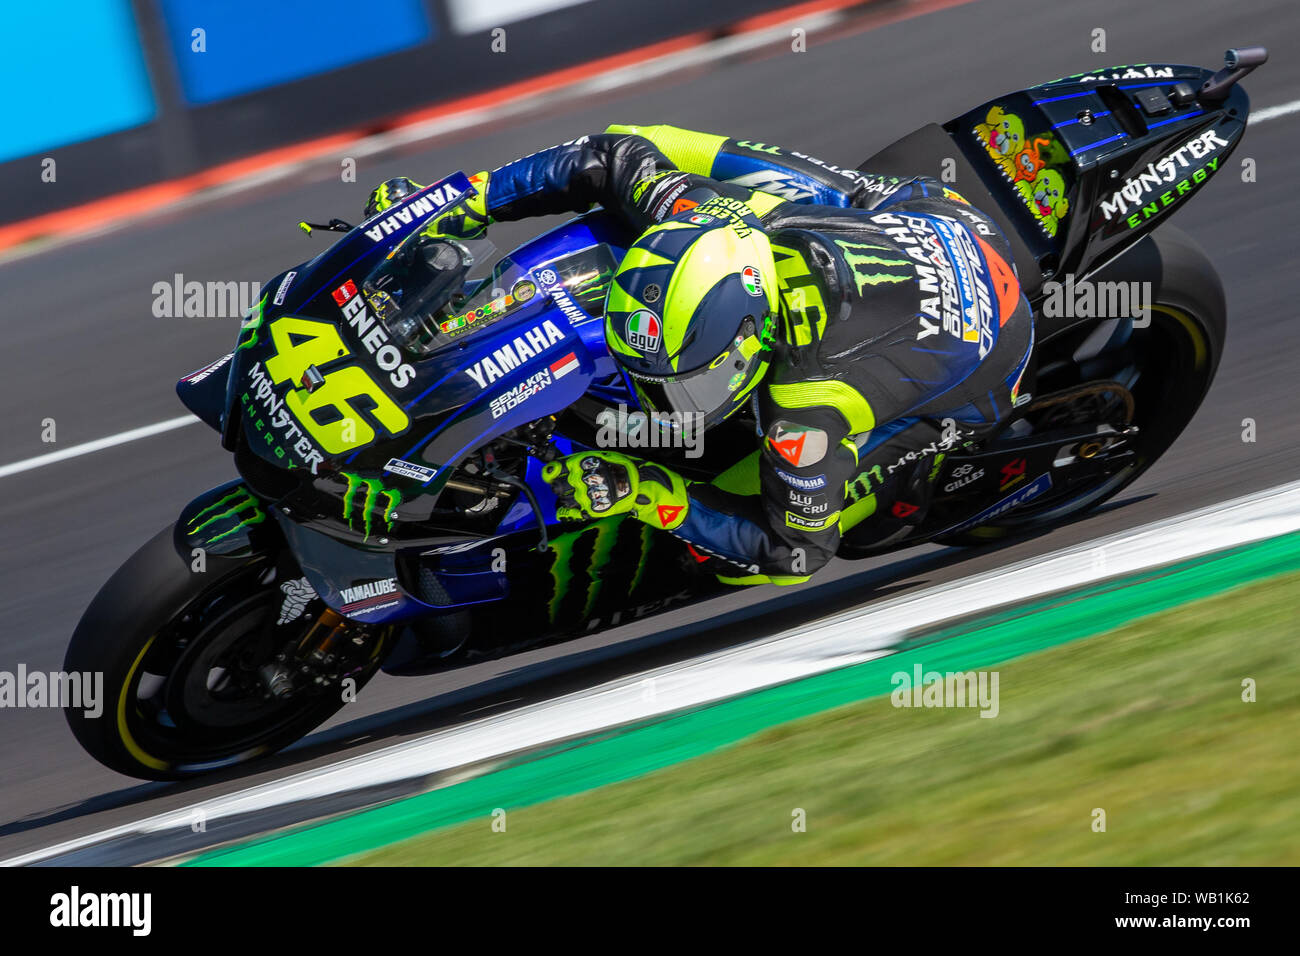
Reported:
(904, 330)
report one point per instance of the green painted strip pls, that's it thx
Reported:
(981, 643)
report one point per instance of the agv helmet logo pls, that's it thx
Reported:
(644, 331)
(752, 281)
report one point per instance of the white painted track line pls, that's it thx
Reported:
(110, 441)
(1273, 112)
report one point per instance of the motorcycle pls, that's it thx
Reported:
(390, 512)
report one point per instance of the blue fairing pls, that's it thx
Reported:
(574, 362)
(511, 366)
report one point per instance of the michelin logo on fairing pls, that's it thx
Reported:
(510, 356)
(1031, 490)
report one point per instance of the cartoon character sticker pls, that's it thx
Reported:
(1027, 164)
(1045, 197)
(1003, 136)
(1031, 159)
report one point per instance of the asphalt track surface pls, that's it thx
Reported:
(82, 347)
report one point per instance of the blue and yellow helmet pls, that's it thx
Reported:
(691, 311)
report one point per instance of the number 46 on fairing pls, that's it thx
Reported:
(303, 343)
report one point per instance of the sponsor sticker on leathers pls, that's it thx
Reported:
(797, 444)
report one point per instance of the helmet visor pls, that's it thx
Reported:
(713, 392)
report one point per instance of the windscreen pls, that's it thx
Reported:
(418, 287)
(584, 275)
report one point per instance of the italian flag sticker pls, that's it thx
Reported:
(643, 331)
(753, 284)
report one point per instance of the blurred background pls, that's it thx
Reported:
(133, 91)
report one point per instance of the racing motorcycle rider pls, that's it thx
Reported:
(870, 322)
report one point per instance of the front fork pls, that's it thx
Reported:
(320, 656)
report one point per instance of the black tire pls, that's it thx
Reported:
(1178, 354)
(153, 610)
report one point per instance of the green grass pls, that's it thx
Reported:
(1145, 722)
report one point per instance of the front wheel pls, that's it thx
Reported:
(205, 669)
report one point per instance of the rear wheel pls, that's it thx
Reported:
(1165, 369)
(209, 669)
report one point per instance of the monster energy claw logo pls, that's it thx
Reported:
(578, 573)
(374, 491)
(251, 324)
(592, 289)
(864, 484)
(865, 263)
(238, 507)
